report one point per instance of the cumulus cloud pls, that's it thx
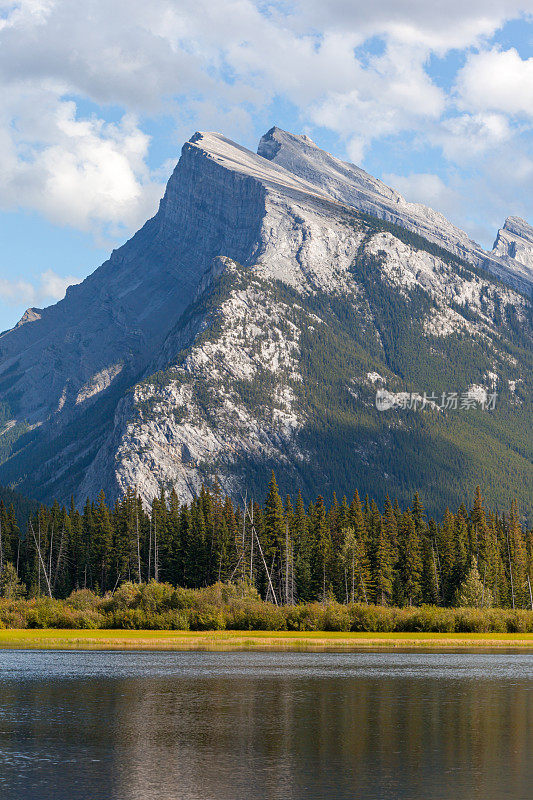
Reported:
(392, 94)
(79, 172)
(467, 137)
(436, 26)
(430, 190)
(497, 80)
(48, 287)
(220, 64)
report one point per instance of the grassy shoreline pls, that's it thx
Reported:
(76, 639)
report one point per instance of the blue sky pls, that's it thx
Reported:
(434, 98)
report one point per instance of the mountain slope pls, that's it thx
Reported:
(249, 324)
(352, 185)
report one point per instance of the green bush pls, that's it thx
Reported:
(183, 598)
(13, 614)
(472, 620)
(337, 618)
(253, 615)
(372, 618)
(155, 596)
(82, 599)
(520, 621)
(208, 618)
(306, 617)
(426, 619)
(159, 606)
(126, 596)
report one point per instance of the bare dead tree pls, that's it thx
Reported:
(138, 538)
(510, 567)
(38, 546)
(59, 557)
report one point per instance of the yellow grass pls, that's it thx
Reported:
(251, 640)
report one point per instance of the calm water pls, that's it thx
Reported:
(197, 726)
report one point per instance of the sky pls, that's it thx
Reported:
(97, 98)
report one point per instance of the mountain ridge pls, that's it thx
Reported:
(192, 352)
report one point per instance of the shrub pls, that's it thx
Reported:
(208, 618)
(13, 614)
(520, 621)
(126, 596)
(155, 596)
(82, 599)
(427, 619)
(159, 606)
(336, 618)
(472, 620)
(372, 618)
(303, 617)
(183, 598)
(250, 615)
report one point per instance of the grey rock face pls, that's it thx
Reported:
(118, 317)
(514, 243)
(352, 185)
(181, 356)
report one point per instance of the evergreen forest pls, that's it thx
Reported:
(349, 551)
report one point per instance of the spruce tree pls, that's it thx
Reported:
(410, 572)
(274, 535)
(472, 592)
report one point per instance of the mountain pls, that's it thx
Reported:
(249, 324)
(22, 506)
(355, 187)
(514, 244)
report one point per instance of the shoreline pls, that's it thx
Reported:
(275, 641)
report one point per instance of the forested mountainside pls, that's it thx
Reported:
(21, 507)
(251, 324)
(350, 551)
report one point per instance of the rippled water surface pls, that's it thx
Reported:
(196, 726)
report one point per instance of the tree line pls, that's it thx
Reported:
(348, 551)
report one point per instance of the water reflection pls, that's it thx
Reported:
(205, 725)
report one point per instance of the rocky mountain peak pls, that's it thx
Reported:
(514, 242)
(519, 227)
(353, 186)
(267, 288)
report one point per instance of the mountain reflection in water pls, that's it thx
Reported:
(197, 726)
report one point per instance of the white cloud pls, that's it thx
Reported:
(79, 172)
(497, 80)
(467, 137)
(429, 189)
(392, 94)
(219, 64)
(437, 26)
(48, 287)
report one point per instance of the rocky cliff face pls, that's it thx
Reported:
(514, 243)
(352, 185)
(247, 326)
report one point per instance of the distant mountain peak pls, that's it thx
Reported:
(514, 243)
(350, 184)
(30, 315)
(520, 227)
(237, 328)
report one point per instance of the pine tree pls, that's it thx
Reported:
(10, 586)
(517, 559)
(410, 572)
(274, 535)
(302, 550)
(383, 567)
(471, 592)
(321, 552)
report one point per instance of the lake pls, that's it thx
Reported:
(196, 726)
